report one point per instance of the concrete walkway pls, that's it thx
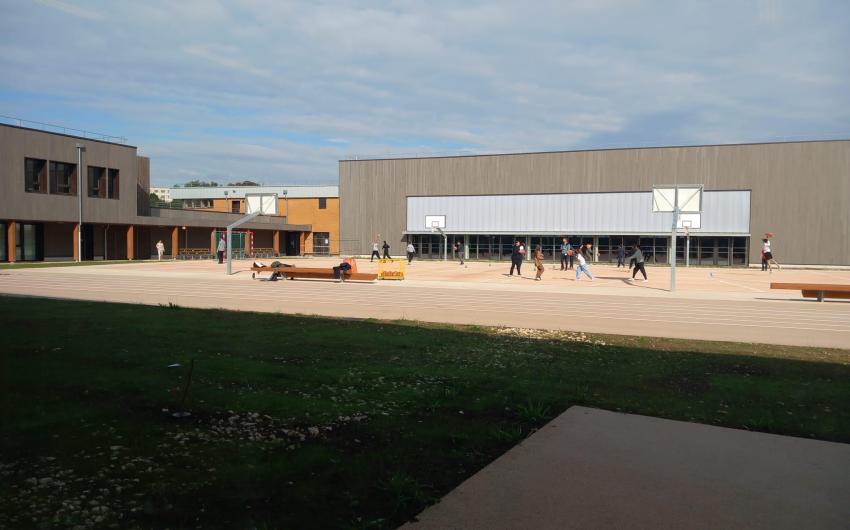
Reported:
(711, 304)
(591, 468)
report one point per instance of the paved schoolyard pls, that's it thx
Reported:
(592, 468)
(712, 304)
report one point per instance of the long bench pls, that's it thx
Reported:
(816, 290)
(291, 273)
(194, 253)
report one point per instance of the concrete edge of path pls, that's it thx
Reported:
(592, 468)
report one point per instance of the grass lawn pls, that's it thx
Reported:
(303, 422)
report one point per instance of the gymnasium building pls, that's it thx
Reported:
(799, 191)
(41, 205)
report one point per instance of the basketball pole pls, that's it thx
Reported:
(673, 240)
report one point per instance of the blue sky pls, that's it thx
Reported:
(279, 91)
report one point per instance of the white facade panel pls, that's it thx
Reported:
(627, 213)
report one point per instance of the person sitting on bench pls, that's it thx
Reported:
(339, 270)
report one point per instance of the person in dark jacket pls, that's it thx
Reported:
(516, 259)
(637, 255)
(621, 256)
(386, 250)
(459, 251)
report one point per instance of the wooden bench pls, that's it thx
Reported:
(816, 290)
(291, 273)
(194, 253)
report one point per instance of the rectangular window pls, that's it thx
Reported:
(112, 183)
(97, 181)
(63, 178)
(323, 203)
(321, 243)
(34, 175)
(234, 207)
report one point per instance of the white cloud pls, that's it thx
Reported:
(284, 89)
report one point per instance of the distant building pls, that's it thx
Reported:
(317, 206)
(164, 194)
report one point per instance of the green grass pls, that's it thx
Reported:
(320, 423)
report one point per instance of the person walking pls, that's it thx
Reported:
(459, 251)
(386, 250)
(411, 251)
(516, 259)
(582, 267)
(221, 249)
(621, 256)
(160, 249)
(763, 260)
(637, 255)
(768, 253)
(538, 262)
(375, 253)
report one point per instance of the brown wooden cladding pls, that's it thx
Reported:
(800, 190)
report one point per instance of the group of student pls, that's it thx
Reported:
(583, 253)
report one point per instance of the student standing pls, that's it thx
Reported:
(621, 256)
(221, 249)
(375, 253)
(516, 259)
(411, 250)
(538, 262)
(160, 249)
(565, 257)
(386, 250)
(637, 255)
(459, 250)
(582, 267)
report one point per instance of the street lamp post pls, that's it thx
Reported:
(80, 150)
(286, 205)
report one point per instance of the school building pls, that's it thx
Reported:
(316, 206)
(45, 210)
(800, 191)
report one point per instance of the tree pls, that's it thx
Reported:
(243, 183)
(153, 199)
(200, 184)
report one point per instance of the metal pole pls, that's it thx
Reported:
(80, 150)
(687, 249)
(229, 250)
(673, 241)
(445, 247)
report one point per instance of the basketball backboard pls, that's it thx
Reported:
(665, 199)
(692, 221)
(262, 203)
(432, 222)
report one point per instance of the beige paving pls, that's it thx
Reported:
(711, 304)
(590, 469)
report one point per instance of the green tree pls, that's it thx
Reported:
(153, 199)
(243, 183)
(200, 184)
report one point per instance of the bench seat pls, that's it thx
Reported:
(291, 273)
(816, 290)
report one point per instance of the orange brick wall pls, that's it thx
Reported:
(301, 211)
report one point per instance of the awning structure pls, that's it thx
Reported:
(725, 213)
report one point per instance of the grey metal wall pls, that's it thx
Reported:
(799, 190)
(724, 212)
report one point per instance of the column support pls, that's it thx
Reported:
(175, 242)
(213, 242)
(131, 242)
(77, 243)
(11, 241)
(276, 243)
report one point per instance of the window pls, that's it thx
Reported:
(97, 181)
(321, 243)
(323, 203)
(234, 207)
(112, 182)
(63, 178)
(34, 175)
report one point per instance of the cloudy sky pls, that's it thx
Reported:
(279, 91)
